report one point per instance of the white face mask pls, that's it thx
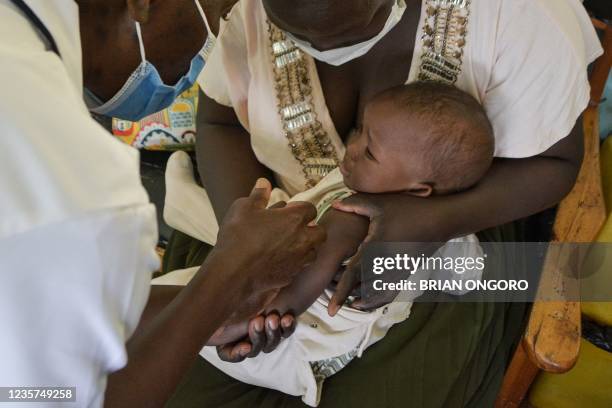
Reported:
(343, 55)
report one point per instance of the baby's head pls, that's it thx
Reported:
(423, 138)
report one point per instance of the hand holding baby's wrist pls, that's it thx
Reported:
(402, 217)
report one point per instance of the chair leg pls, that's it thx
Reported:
(519, 376)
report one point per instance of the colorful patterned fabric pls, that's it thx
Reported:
(174, 128)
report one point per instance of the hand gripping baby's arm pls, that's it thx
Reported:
(345, 232)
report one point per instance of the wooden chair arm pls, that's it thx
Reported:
(552, 338)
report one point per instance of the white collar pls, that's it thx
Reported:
(61, 17)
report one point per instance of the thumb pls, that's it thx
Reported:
(346, 285)
(179, 167)
(260, 195)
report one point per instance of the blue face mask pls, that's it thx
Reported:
(145, 93)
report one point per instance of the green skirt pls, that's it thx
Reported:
(444, 355)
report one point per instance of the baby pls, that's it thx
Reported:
(423, 139)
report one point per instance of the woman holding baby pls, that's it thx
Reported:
(288, 82)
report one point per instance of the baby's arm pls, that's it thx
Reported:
(345, 232)
(229, 334)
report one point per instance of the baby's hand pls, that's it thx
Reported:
(262, 333)
(237, 325)
(229, 333)
(252, 306)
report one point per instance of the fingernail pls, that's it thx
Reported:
(273, 324)
(332, 310)
(261, 183)
(182, 159)
(258, 326)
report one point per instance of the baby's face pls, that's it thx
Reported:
(378, 154)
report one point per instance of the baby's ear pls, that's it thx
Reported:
(421, 190)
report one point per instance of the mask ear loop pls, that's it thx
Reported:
(201, 10)
(210, 37)
(140, 42)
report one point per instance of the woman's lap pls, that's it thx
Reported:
(444, 355)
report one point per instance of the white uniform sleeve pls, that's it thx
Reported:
(70, 295)
(539, 83)
(57, 163)
(77, 231)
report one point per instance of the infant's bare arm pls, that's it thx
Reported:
(345, 232)
(229, 334)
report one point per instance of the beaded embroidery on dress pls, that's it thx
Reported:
(444, 33)
(308, 141)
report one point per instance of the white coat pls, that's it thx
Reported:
(77, 231)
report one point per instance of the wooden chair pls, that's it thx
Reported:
(552, 339)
